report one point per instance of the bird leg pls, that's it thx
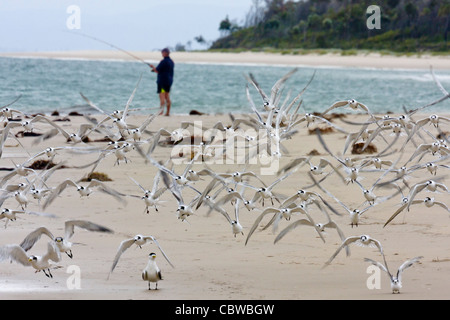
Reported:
(49, 274)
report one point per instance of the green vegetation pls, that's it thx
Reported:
(289, 27)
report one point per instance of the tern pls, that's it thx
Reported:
(9, 215)
(84, 191)
(238, 176)
(63, 243)
(119, 118)
(305, 196)
(377, 163)
(232, 196)
(7, 112)
(183, 210)
(320, 228)
(295, 224)
(180, 180)
(137, 132)
(310, 118)
(405, 202)
(16, 253)
(301, 194)
(21, 198)
(428, 201)
(270, 102)
(429, 185)
(151, 272)
(362, 240)
(282, 212)
(352, 103)
(139, 240)
(396, 280)
(432, 119)
(152, 197)
(354, 214)
(432, 167)
(19, 169)
(266, 191)
(236, 226)
(175, 135)
(354, 137)
(15, 187)
(369, 194)
(433, 148)
(73, 137)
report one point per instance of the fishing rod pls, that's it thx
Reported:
(113, 46)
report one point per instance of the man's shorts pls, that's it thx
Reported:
(162, 89)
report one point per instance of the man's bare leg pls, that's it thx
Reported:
(168, 102)
(162, 102)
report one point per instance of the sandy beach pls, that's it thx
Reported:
(210, 263)
(369, 60)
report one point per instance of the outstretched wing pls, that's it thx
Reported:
(292, 226)
(60, 188)
(335, 105)
(160, 249)
(87, 225)
(379, 265)
(258, 220)
(294, 163)
(53, 253)
(124, 245)
(15, 253)
(405, 265)
(396, 213)
(345, 243)
(34, 236)
(108, 190)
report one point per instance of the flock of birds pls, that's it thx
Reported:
(263, 131)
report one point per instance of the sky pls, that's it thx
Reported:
(140, 25)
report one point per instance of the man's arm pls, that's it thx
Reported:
(153, 68)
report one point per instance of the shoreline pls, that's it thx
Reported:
(370, 60)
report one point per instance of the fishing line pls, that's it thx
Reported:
(111, 45)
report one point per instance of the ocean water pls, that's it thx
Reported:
(48, 85)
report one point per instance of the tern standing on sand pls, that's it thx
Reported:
(152, 273)
(164, 80)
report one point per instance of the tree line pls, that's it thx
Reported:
(405, 25)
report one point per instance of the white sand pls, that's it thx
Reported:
(210, 263)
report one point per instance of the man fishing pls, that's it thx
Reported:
(164, 79)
